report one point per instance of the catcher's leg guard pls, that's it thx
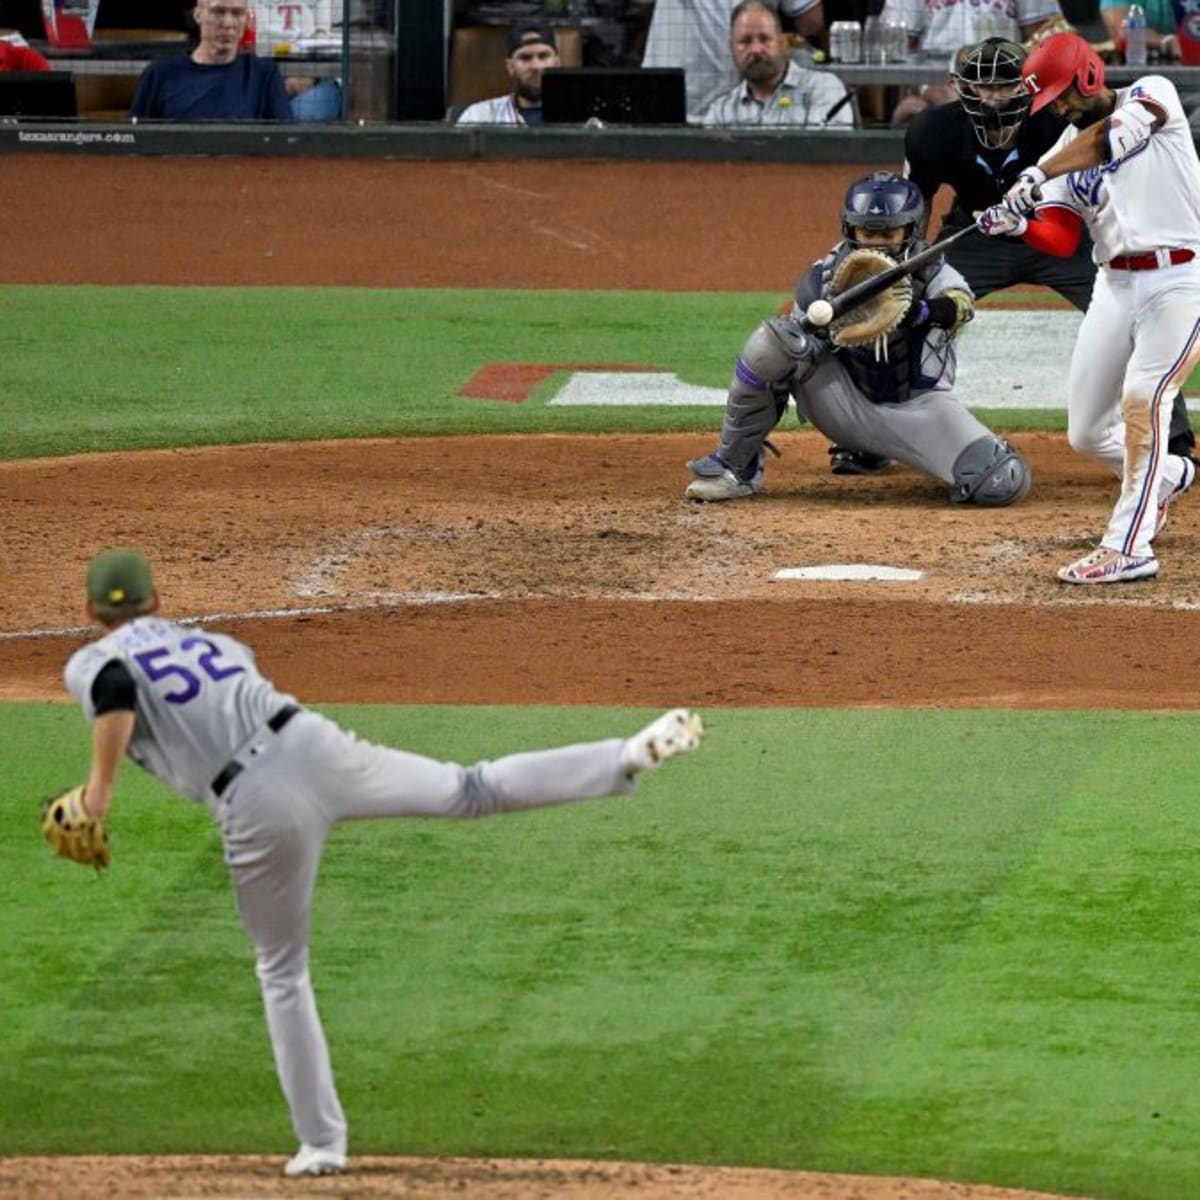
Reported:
(990, 473)
(758, 392)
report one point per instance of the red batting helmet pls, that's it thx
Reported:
(1063, 60)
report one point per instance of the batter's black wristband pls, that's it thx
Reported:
(943, 312)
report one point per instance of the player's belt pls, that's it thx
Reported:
(232, 769)
(1150, 262)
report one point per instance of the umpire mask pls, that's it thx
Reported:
(987, 77)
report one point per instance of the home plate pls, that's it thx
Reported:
(864, 571)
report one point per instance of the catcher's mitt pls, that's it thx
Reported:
(74, 832)
(870, 322)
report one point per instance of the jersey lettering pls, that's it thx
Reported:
(190, 683)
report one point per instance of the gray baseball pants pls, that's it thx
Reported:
(274, 818)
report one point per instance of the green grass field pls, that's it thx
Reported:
(951, 944)
(189, 366)
(944, 944)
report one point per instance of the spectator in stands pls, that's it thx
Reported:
(214, 82)
(286, 27)
(694, 35)
(940, 28)
(1160, 26)
(947, 27)
(17, 55)
(531, 49)
(774, 89)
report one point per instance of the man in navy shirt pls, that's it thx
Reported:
(215, 82)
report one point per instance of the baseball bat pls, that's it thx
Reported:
(862, 292)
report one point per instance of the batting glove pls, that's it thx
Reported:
(1021, 198)
(1000, 221)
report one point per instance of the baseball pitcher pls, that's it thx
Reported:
(191, 707)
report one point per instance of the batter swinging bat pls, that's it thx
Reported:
(830, 310)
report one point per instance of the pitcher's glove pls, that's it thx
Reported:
(74, 832)
(869, 323)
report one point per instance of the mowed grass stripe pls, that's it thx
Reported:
(93, 368)
(940, 943)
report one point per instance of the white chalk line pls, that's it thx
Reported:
(380, 604)
(1075, 598)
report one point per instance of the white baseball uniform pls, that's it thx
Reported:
(1140, 337)
(276, 777)
(286, 22)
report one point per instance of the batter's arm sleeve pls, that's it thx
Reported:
(1056, 231)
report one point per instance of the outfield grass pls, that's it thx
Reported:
(94, 368)
(951, 944)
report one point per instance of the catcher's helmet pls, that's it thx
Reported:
(883, 200)
(1062, 61)
(997, 111)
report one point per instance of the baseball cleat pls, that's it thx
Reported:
(726, 486)
(843, 461)
(707, 466)
(1185, 482)
(309, 1160)
(1109, 566)
(676, 732)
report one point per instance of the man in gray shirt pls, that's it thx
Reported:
(774, 89)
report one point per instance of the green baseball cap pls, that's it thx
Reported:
(117, 578)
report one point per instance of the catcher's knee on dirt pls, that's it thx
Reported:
(990, 473)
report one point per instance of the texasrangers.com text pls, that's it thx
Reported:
(74, 138)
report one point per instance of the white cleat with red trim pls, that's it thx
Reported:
(1109, 566)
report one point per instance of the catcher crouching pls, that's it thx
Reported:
(880, 378)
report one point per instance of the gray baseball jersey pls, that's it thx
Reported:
(276, 777)
(200, 697)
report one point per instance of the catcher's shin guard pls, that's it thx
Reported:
(990, 473)
(753, 408)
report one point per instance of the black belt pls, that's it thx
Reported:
(232, 769)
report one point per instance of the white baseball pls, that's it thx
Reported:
(820, 313)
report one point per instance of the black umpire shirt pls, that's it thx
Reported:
(940, 147)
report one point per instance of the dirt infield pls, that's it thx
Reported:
(579, 575)
(421, 571)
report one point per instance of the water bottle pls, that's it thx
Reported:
(1135, 36)
(895, 36)
(874, 40)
